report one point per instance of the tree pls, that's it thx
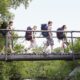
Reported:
(17, 3)
(11, 70)
(53, 70)
(5, 5)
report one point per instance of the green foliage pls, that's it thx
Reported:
(76, 45)
(17, 3)
(5, 5)
(4, 9)
(18, 48)
(50, 70)
(38, 50)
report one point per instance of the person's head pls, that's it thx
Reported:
(34, 27)
(49, 23)
(64, 27)
(10, 23)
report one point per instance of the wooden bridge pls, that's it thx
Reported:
(39, 57)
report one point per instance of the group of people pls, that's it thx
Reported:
(46, 31)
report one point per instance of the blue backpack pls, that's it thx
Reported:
(4, 25)
(44, 27)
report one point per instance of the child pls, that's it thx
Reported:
(9, 36)
(30, 36)
(62, 36)
(49, 37)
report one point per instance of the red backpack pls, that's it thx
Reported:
(60, 35)
(28, 34)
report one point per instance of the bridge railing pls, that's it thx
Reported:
(71, 36)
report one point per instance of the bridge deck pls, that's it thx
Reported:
(37, 57)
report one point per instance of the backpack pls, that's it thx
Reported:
(4, 25)
(28, 34)
(44, 27)
(60, 35)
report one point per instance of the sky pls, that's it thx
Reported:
(41, 11)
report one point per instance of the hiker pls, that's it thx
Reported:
(30, 36)
(62, 36)
(34, 29)
(9, 37)
(47, 35)
(3, 33)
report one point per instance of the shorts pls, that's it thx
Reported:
(9, 39)
(50, 41)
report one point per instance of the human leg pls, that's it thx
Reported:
(51, 43)
(9, 43)
(46, 45)
(32, 44)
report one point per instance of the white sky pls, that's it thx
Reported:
(41, 11)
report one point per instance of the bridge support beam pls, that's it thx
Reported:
(38, 57)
